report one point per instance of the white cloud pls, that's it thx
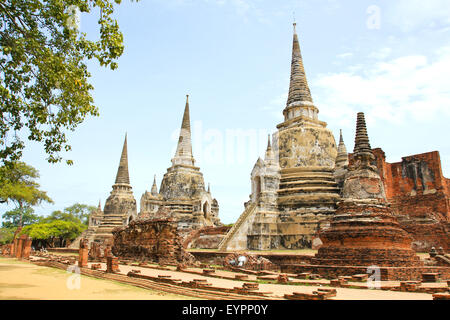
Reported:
(411, 87)
(381, 54)
(410, 15)
(345, 55)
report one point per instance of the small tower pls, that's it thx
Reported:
(364, 232)
(342, 157)
(362, 179)
(120, 207)
(265, 177)
(341, 166)
(154, 191)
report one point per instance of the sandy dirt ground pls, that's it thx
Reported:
(279, 290)
(23, 280)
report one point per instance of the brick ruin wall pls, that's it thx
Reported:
(420, 197)
(151, 240)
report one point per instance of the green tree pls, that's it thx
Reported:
(6, 235)
(78, 213)
(18, 185)
(14, 218)
(44, 88)
(61, 216)
(81, 211)
(54, 232)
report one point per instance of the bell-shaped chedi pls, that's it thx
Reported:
(182, 189)
(364, 232)
(306, 150)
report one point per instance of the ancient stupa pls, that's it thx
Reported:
(182, 192)
(120, 207)
(293, 193)
(364, 232)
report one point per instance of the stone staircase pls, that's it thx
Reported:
(244, 217)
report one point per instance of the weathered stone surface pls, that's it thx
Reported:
(151, 240)
(205, 238)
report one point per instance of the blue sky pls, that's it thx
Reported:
(390, 59)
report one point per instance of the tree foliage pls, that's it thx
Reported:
(18, 185)
(44, 88)
(67, 230)
(78, 213)
(81, 211)
(6, 235)
(14, 218)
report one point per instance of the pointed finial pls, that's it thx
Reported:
(299, 91)
(341, 138)
(154, 191)
(123, 176)
(269, 146)
(100, 205)
(183, 154)
(209, 187)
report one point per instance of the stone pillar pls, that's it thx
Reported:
(26, 246)
(11, 249)
(94, 252)
(112, 264)
(107, 251)
(19, 247)
(14, 245)
(83, 253)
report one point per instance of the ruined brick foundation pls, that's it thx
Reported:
(151, 240)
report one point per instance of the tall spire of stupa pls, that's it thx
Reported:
(123, 176)
(362, 149)
(299, 102)
(183, 155)
(299, 92)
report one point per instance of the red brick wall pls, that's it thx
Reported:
(416, 186)
(417, 190)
